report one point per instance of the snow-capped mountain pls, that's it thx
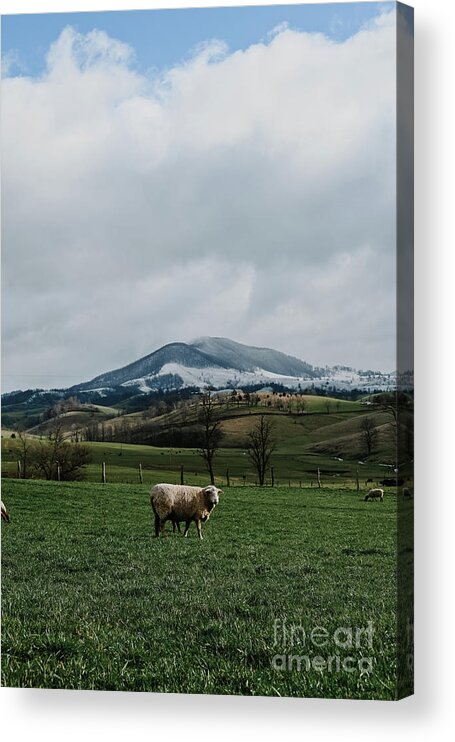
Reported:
(225, 364)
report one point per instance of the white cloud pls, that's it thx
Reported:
(11, 60)
(249, 194)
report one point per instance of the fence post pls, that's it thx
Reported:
(58, 472)
(228, 483)
(357, 479)
(181, 474)
(103, 473)
(19, 469)
(272, 476)
(319, 478)
(140, 474)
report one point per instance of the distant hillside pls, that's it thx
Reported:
(214, 362)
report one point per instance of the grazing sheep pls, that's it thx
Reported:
(407, 494)
(176, 502)
(375, 494)
(204, 516)
(176, 522)
(5, 515)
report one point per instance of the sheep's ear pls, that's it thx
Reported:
(221, 492)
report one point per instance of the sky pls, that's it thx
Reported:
(163, 38)
(173, 174)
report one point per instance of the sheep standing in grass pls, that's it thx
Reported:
(375, 494)
(204, 516)
(407, 494)
(176, 522)
(177, 502)
(5, 515)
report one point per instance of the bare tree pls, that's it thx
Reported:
(184, 410)
(76, 432)
(392, 402)
(261, 445)
(369, 434)
(55, 458)
(400, 406)
(91, 432)
(211, 431)
(25, 446)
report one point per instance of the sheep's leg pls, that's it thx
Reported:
(159, 526)
(187, 526)
(199, 528)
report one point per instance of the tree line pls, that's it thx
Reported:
(51, 457)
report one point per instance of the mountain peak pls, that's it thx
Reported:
(249, 357)
(205, 360)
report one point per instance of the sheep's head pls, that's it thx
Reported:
(212, 496)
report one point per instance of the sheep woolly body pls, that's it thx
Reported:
(375, 494)
(182, 503)
(5, 515)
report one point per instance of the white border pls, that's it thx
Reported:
(51, 715)
(61, 6)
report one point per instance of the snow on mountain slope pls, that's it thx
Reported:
(174, 375)
(212, 376)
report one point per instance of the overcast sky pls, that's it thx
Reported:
(240, 189)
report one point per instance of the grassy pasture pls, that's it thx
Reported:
(91, 600)
(304, 444)
(163, 464)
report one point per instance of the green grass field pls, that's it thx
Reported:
(91, 600)
(304, 444)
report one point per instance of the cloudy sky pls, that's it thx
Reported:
(223, 172)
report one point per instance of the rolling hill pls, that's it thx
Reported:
(180, 370)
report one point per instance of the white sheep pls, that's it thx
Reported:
(375, 494)
(177, 502)
(5, 515)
